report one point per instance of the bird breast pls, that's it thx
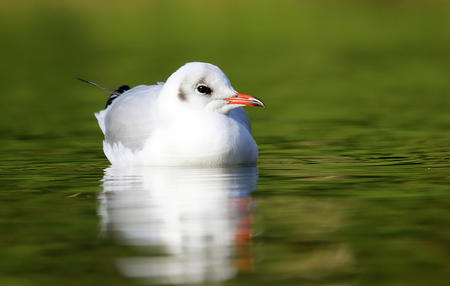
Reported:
(205, 138)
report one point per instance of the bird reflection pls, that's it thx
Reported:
(188, 225)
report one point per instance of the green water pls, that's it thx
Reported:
(353, 174)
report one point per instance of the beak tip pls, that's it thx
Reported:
(259, 103)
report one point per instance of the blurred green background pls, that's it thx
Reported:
(354, 142)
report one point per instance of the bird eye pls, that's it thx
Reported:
(203, 89)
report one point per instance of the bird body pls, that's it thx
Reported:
(195, 118)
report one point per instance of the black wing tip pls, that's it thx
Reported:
(114, 93)
(123, 88)
(117, 93)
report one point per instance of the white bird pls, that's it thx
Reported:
(194, 119)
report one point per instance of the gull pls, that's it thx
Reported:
(195, 118)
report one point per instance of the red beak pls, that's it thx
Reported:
(244, 99)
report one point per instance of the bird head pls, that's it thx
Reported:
(203, 86)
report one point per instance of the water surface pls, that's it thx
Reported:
(189, 225)
(352, 182)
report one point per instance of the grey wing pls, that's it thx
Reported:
(130, 119)
(241, 116)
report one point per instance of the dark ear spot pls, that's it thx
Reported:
(181, 94)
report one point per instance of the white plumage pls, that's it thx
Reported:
(195, 118)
